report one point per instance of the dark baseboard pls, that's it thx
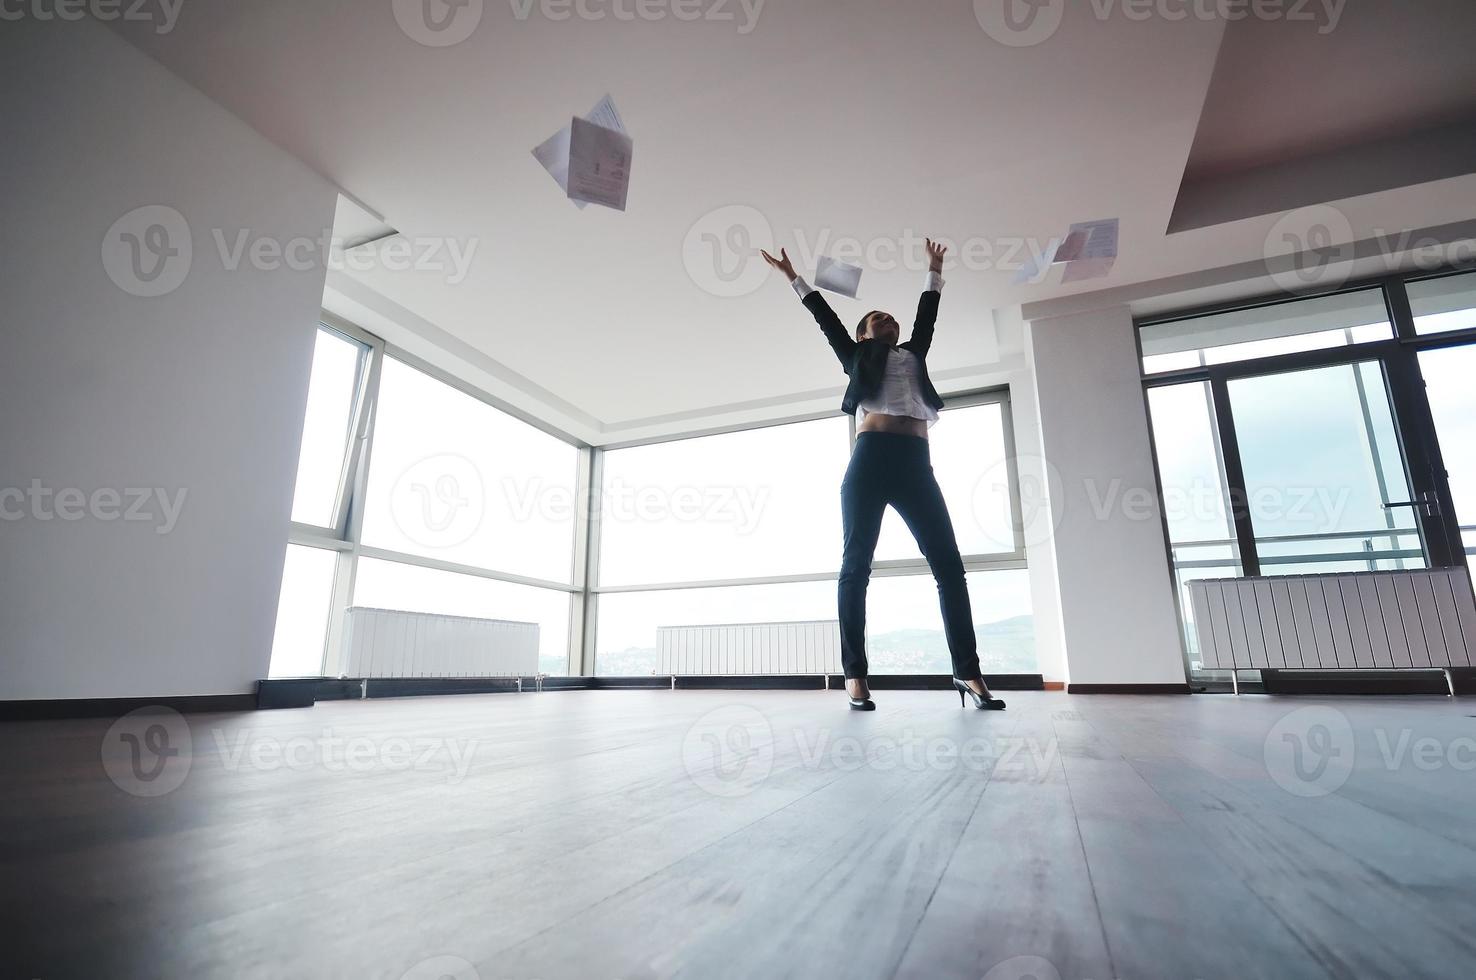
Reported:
(1413, 681)
(288, 692)
(412, 687)
(41, 709)
(1127, 688)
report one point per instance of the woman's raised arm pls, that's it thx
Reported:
(830, 324)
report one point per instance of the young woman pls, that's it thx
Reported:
(895, 404)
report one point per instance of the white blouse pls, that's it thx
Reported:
(900, 393)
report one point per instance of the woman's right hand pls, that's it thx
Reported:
(782, 263)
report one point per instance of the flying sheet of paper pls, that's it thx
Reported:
(1089, 240)
(553, 153)
(837, 276)
(599, 164)
(1087, 269)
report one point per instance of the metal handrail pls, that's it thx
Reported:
(1369, 554)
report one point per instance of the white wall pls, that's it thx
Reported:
(200, 391)
(1103, 531)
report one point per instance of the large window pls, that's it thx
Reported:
(303, 611)
(454, 479)
(749, 525)
(338, 363)
(744, 504)
(1314, 435)
(418, 495)
(414, 496)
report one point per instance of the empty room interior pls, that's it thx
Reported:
(989, 492)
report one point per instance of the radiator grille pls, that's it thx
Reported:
(811, 647)
(391, 643)
(1424, 618)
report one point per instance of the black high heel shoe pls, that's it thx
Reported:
(863, 704)
(981, 703)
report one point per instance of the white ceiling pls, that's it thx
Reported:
(859, 119)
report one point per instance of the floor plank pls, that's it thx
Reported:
(733, 834)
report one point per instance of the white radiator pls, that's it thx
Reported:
(1350, 620)
(750, 648)
(390, 643)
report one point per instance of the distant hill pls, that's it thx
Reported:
(1005, 647)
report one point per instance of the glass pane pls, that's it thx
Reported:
(739, 505)
(393, 585)
(1308, 324)
(1448, 375)
(1444, 304)
(628, 623)
(967, 447)
(1195, 495)
(325, 431)
(904, 625)
(453, 478)
(1321, 460)
(302, 612)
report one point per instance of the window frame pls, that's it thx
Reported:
(1413, 419)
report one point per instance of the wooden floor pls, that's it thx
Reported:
(748, 834)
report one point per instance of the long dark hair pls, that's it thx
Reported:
(866, 319)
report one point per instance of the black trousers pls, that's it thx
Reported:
(891, 468)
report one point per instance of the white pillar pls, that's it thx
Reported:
(1099, 529)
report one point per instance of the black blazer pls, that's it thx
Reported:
(866, 360)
